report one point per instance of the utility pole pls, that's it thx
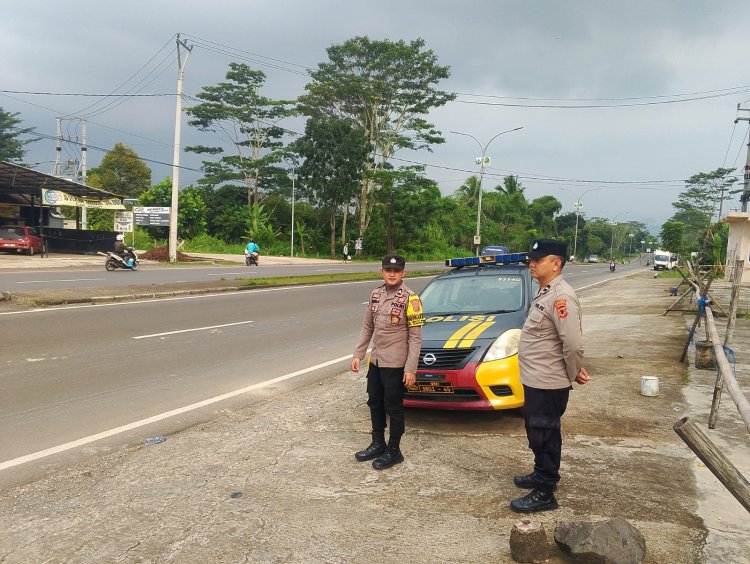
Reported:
(176, 158)
(746, 186)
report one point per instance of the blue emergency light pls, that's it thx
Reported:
(487, 260)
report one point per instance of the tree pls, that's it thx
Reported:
(122, 172)
(246, 120)
(191, 220)
(335, 154)
(384, 88)
(672, 236)
(11, 142)
(468, 192)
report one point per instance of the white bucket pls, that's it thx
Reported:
(649, 386)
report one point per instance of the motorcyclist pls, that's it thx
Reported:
(252, 248)
(121, 249)
(612, 265)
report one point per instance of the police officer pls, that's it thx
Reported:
(393, 320)
(550, 357)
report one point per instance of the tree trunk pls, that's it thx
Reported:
(333, 233)
(343, 223)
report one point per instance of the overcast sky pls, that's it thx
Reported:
(619, 101)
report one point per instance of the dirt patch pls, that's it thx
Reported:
(161, 254)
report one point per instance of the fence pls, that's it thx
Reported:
(689, 432)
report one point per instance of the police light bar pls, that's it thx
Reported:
(487, 259)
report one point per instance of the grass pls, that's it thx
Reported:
(324, 278)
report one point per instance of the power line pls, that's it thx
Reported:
(84, 94)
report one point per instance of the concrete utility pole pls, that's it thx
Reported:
(746, 189)
(176, 158)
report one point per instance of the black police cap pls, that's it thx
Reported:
(394, 261)
(542, 247)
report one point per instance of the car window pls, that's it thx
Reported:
(11, 233)
(490, 292)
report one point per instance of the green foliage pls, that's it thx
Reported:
(208, 244)
(121, 172)
(191, 220)
(12, 140)
(673, 236)
(240, 116)
(384, 89)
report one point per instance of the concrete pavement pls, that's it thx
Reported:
(277, 482)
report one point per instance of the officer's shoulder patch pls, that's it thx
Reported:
(561, 307)
(414, 312)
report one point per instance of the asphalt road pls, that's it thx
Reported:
(75, 372)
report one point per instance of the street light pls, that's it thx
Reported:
(482, 161)
(578, 206)
(291, 252)
(630, 247)
(612, 241)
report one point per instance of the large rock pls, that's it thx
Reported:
(614, 541)
(528, 541)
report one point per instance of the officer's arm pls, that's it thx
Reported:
(567, 319)
(365, 334)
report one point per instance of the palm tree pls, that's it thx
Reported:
(468, 192)
(510, 186)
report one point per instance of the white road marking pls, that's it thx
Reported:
(189, 330)
(160, 417)
(62, 280)
(231, 273)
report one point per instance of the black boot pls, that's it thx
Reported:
(376, 448)
(537, 500)
(391, 456)
(529, 482)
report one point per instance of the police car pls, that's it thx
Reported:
(473, 319)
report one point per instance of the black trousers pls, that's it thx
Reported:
(385, 391)
(542, 411)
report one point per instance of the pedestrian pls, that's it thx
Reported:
(393, 321)
(346, 252)
(550, 358)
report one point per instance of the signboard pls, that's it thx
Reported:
(57, 198)
(152, 216)
(124, 221)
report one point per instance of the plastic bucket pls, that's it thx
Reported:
(649, 386)
(704, 355)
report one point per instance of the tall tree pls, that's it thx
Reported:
(245, 120)
(334, 155)
(386, 89)
(121, 171)
(704, 196)
(12, 140)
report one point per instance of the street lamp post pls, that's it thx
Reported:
(482, 161)
(630, 246)
(578, 205)
(291, 252)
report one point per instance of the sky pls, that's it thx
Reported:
(619, 102)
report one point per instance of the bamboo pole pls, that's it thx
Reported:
(733, 303)
(743, 406)
(714, 460)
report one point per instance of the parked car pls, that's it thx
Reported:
(473, 319)
(494, 250)
(593, 258)
(20, 239)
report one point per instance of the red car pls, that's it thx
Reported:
(21, 239)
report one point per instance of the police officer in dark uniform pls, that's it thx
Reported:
(393, 321)
(550, 358)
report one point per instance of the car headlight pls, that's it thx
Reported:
(504, 346)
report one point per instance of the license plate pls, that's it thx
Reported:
(12, 245)
(431, 387)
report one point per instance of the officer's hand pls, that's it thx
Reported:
(355, 365)
(409, 379)
(583, 376)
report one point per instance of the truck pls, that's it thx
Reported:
(664, 260)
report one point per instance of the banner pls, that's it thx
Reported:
(57, 198)
(124, 221)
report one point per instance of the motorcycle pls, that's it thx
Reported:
(612, 266)
(251, 259)
(115, 261)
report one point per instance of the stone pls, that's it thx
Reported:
(528, 541)
(613, 541)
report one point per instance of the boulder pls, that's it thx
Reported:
(613, 541)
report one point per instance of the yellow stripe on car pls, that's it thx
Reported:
(469, 340)
(453, 340)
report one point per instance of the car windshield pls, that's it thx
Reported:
(12, 233)
(664, 258)
(486, 293)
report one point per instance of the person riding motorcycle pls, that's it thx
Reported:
(612, 265)
(252, 248)
(122, 249)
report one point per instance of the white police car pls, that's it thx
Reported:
(473, 319)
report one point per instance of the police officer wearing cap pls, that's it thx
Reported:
(550, 358)
(393, 321)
